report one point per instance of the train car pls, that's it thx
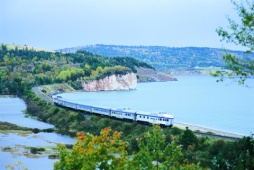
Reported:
(100, 110)
(83, 107)
(70, 104)
(154, 118)
(168, 118)
(123, 113)
(58, 100)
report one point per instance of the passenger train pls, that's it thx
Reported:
(159, 118)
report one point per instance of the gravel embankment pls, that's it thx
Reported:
(205, 130)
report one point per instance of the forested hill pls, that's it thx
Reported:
(23, 68)
(166, 59)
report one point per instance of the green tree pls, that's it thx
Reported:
(108, 151)
(188, 139)
(155, 153)
(151, 148)
(241, 34)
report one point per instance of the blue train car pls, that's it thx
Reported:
(83, 107)
(100, 110)
(123, 113)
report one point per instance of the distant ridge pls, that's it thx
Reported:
(174, 60)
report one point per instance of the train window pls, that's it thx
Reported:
(140, 116)
(147, 117)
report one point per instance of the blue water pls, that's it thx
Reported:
(11, 111)
(197, 100)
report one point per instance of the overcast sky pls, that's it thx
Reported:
(55, 24)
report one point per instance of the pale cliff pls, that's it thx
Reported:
(113, 82)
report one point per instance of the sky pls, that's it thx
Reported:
(57, 24)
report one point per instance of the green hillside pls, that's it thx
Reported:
(166, 59)
(22, 68)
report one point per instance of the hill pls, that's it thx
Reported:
(194, 60)
(24, 47)
(22, 68)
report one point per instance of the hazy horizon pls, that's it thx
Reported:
(62, 24)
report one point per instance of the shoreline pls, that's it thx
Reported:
(201, 129)
(181, 125)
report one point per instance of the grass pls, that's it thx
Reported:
(48, 89)
(20, 132)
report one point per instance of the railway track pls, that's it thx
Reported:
(232, 138)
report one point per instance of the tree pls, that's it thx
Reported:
(188, 138)
(241, 34)
(107, 151)
(155, 153)
(94, 152)
(151, 148)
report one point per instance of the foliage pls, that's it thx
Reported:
(154, 153)
(70, 74)
(94, 152)
(167, 59)
(100, 72)
(188, 139)
(239, 34)
(21, 69)
(109, 152)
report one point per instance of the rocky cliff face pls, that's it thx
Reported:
(114, 82)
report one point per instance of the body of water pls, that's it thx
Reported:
(11, 111)
(197, 100)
